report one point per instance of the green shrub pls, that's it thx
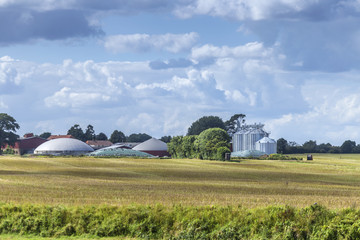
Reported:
(179, 222)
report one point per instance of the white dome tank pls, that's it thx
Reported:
(63, 146)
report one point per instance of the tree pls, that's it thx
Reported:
(205, 123)
(166, 139)
(188, 148)
(8, 127)
(209, 141)
(175, 147)
(101, 136)
(89, 133)
(348, 146)
(231, 125)
(45, 135)
(138, 137)
(117, 136)
(282, 145)
(310, 146)
(76, 132)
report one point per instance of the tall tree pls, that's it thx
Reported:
(204, 123)
(310, 146)
(101, 136)
(45, 135)
(117, 136)
(76, 132)
(210, 140)
(89, 133)
(165, 139)
(8, 127)
(282, 145)
(138, 137)
(348, 146)
(231, 125)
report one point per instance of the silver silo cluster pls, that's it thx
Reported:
(253, 137)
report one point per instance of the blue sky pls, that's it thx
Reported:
(157, 66)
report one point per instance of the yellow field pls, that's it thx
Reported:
(331, 180)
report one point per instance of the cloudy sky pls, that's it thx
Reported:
(156, 66)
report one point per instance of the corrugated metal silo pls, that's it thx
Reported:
(267, 145)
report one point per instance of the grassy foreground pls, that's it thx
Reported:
(178, 222)
(330, 180)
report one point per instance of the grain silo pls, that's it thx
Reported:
(247, 138)
(266, 145)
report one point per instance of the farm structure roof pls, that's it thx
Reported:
(63, 146)
(154, 147)
(119, 151)
(248, 153)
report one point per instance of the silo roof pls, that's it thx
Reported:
(266, 140)
(64, 145)
(152, 145)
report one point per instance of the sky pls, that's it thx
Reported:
(156, 66)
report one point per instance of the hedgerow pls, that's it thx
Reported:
(181, 222)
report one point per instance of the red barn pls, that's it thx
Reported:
(27, 144)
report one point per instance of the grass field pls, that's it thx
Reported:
(330, 180)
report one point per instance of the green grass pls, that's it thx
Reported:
(330, 180)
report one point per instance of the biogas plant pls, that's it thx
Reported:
(252, 141)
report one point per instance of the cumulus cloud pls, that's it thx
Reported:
(249, 50)
(20, 26)
(273, 9)
(172, 63)
(332, 116)
(143, 42)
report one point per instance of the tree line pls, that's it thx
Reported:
(190, 146)
(285, 147)
(89, 134)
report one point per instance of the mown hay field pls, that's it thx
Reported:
(330, 180)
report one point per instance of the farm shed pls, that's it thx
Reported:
(248, 153)
(63, 146)
(154, 147)
(119, 151)
(97, 144)
(27, 144)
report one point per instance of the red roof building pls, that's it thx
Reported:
(27, 144)
(59, 136)
(97, 144)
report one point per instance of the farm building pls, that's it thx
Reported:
(63, 146)
(154, 147)
(27, 144)
(248, 153)
(119, 150)
(253, 137)
(97, 144)
(59, 136)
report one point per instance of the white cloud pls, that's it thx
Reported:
(143, 42)
(3, 105)
(249, 50)
(333, 114)
(260, 10)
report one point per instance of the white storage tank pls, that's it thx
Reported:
(266, 145)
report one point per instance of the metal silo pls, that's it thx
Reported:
(267, 145)
(238, 140)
